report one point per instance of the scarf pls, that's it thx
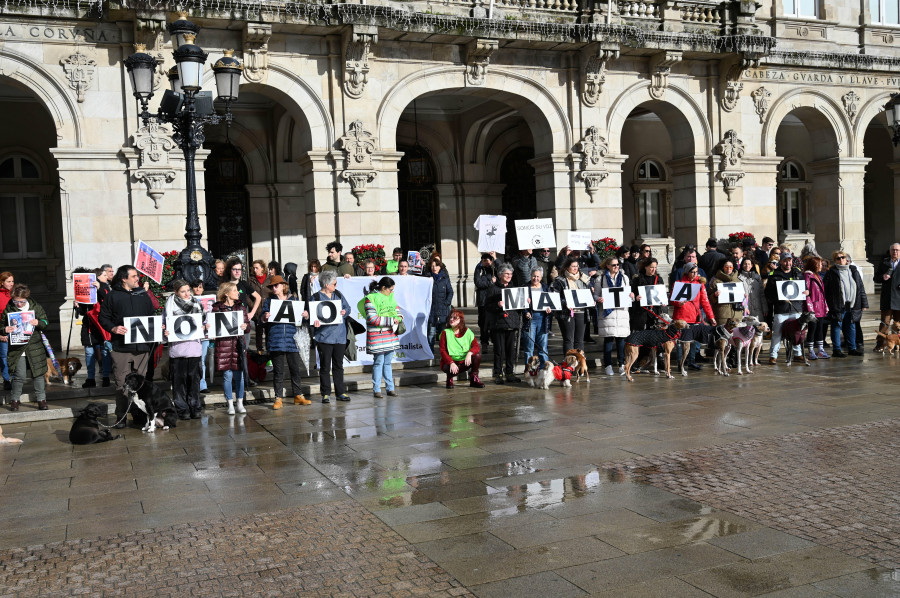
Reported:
(572, 279)
(176, 306)
(848, 284)
(609, 284)
(261, 279)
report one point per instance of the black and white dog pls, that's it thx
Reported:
(86, 427)
(150, 405)
(702, 333)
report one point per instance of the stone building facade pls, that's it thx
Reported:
(399, 122)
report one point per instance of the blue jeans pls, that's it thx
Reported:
(534, 337)
(4, 360)
(844, 324)
(608, 343)
(204, 350)
(235, 378)
(382, 369)
(90, 355)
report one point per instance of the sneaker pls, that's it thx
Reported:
(621, 370)
(230, 407)
(378, 395)
(449, 383)
(838, 353)
(392, 393)
(106, 383)
(812, 354)
(855, 353)
(823, 355)
(343, 398)
(326, 399)
(608, 370)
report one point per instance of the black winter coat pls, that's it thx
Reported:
(120, 304)
(833, 293)
(641, 319)
(880, 271)
(483, 281)
(90, 336)
(497, 319)
(227, 355)
(783, 307)
(441, 298)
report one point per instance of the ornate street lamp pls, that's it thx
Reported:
(892, 112)
(188, 109)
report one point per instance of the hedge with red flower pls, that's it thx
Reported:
(740, 237)
(605, 247)
(370, 252)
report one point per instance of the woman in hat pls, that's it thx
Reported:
(281, 345)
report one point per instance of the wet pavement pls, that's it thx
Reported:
(782, 483)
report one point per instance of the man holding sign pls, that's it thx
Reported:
(126, 300)
(786, 276)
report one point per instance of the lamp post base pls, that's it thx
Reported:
(195, 263)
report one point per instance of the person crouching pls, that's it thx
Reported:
(460, 350)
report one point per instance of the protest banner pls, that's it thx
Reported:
(414, 258)
(579, 240)
(514, 298)
(685, 291)
(285, 311)
(615, 298)
(85, 291)
(731, 292)
(579, 298)
(535, 233)
(206, 302)
(541, 300)
(143, 329)
(225, 323)
(491, 233)
(790, 290)
(150, 262)
(326, 313)
(23, 327)
(186, 327)
(654, 294)
(413, 296)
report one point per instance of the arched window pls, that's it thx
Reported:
(21, 209)
(791, 180)
(649, 199)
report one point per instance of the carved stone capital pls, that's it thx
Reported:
(256, 38)
(851, 104)
(79, 71)
(358, 43)
(731, 152)
(478, 56)
(592, 167)
(358, 180)
(660, 67)
(156, 180)
(358, 146)
(594, 60)
(761, 102)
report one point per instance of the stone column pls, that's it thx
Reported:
(760, 197)
(693, 218)
(320, 196)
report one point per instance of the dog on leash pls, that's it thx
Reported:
(793, 334)
(654, 339)
(151, 406)
(532, 371)
(703, 334)
(86, 427)
(756, 344)
(722, 337)
(68, 366)
(891, 340)
(745, 339)
(581, 369)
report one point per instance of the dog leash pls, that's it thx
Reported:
(71, 325)
(127, 409)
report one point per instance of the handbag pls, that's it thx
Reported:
(401, 328)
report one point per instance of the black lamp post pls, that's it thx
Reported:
(188, 110)
(892, 112)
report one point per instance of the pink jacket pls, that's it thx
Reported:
(815, 301)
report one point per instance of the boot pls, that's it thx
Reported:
(105, 382)
(230, 407)
(42, 405)
(89, 383)
(475, 381)
(301, 400)
(449, 383)
(277, 403)
(14, 406)
(240, 406)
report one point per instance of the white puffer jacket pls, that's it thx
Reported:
(617, 324)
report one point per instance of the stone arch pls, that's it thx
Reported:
(874, 108)
(253, 150)
(676, 106)
(439, 148)
(547, 118)
(297, 97)
(52, 93)
(815, 102)
(499, 147)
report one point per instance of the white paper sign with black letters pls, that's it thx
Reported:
(326, 313)
(579, 298)
(225, 323)
(186, 327)
(654, 294)
(790, 290)
(144, 329)
(541, 300)
(514, 298)
(730, 292)
(685, 291)
(579, 240)
(283, 311)
(615, 298)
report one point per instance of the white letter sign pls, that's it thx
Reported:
(541, 300)
(685, 291)
(579, 298)
(186, 327)
(282, 311)
(326, 313)
(514, 298)
(226, 323)
(146, 329)
(654, 294)
(536, 233)
(790, 290)
(579, 240)
(615, 298)
(731, 292)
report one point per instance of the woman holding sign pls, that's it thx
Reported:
(721, 307)
(504, 325)
(281, 346)
(7, 282)
(537, 322)
(692, 310)
(383, 319)
(331, 340)
(26, 350)
(184, 355)
(571, 319)
(642, 318)
(230, 348)
(613, 321)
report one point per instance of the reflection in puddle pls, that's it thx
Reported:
(538, 495)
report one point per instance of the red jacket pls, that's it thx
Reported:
(4, 298)
(689, 311)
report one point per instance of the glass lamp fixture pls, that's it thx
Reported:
(141, 66)
(178, 29)
(228, 71)
(190, 60)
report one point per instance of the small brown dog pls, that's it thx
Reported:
(889, 341)
(581, 368)
(532, 369)
(69, 367)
